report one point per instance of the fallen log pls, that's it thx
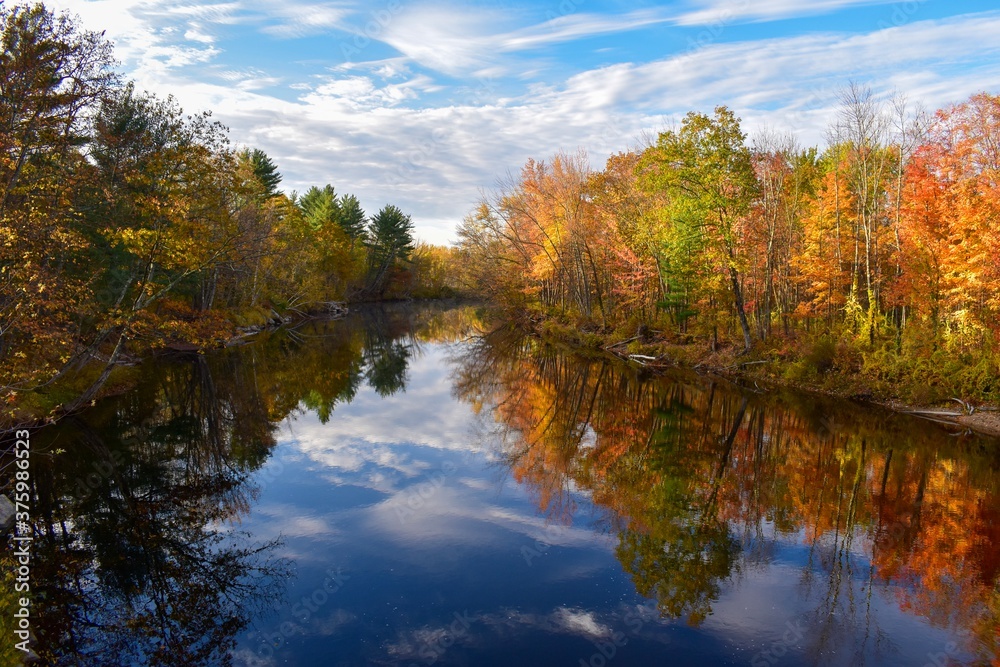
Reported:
(934, 413)
(624, 342)
(744, 363)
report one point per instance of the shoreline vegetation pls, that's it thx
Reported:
(128, 226)
(869, 268)
(658, 356)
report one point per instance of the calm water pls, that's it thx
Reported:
(392, 489)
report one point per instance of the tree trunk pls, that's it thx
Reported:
(738, 297)
(91, 391)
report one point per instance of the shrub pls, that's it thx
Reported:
(821, 356)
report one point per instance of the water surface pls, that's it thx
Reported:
(416, 486)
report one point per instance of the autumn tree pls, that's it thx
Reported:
(495, 257)
(51, 73)
(706, 172)
(544, 241)
(630, 249)
(950, 272)
(823, 263)
(435, 271)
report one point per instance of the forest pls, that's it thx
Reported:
(868, 267)
(129, 225)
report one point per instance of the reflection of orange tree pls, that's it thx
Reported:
(694, 476)
(536, 410)
(945, 548)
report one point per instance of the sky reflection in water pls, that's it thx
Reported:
(393, 491)
(404, 496)
(446, 559)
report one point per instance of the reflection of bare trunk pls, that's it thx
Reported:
(841, 570)
(720, 470)
(852, 510)
(885, 472)
(208, 410)
(918, 500)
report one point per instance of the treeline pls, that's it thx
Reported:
(127, 224)
(876, 256)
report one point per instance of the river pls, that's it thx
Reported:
(419, 485)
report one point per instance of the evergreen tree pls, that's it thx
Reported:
(264, 169)
(391, 234)
(352, 217)
(320, 207)
(390, 238)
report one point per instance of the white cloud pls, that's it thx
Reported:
(720, 12)
(276, 520)
(576, 26)
(412, 644)
(458, 41)
(291, 19)
(195, 35)
(211, 12)
(360, 92)
(249, 79)
(444, 38)
(578, 621)
(391, 131)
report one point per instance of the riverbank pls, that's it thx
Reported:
(942, 393)
(193, 334)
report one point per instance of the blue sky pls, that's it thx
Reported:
(424, 104)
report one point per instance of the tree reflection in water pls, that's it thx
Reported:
(139, 556)
(703, 482)
(135, 560)
(139, 560)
